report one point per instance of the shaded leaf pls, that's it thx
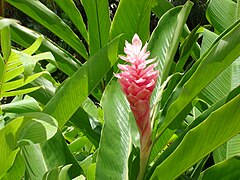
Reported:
(98, 23)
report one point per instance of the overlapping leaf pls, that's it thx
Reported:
(33, 127)
(74, 92)
(17, 70)
(202, 140)
(41, 13)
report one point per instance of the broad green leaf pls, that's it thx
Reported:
(6, 42)
(235, 81)
(131, 17)
(2, 67)
(23, 106)
(200, 119)
(165, 38)
(58, 173)
(98, 23)
(34, 161)
(37, 127)
(88, 162)
(208, 38)
(73, 13)
(164, 41)
(202, 139)
(187, 47)
(220, 55)
(44, 159)
(227, 150)
(34, 127)
(223, 84)
(217, 12)
(85, 126)
(238, 9)
(8, 148)
(115, 141)
(63, 60)
(91, 172)
(160, 7)
(39, 12)
(44, 94)
(55, 153)
(78, 144)
(160, 144)
(63, 172)
(17, 170)
(73, 93)
(228, 169)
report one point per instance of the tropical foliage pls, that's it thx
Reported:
(83, 127)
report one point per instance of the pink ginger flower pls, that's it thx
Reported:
(138, 80)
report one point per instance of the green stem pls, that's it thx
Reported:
(146, 145)
(144, 156)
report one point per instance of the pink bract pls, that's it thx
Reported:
(138, 79)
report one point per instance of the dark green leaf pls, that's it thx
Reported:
(46, 17)
(98, 23)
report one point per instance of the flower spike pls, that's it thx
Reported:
(138, 79)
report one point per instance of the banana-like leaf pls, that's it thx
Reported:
(163, 45)
(165, 38)
(34, 127)
(73, 13)
(56, 153)
(221, 85)
(217, 12)
(201, 118)
(74, 92)
(131, 17)
(227, 150)
(39, 12)
(59, 173)
(81, 120)
(115, 141)
(202, 139)
(160, 7)
(6, 42)
(220, 55)
(98, 24)
(228, 169)
(17, 170)
(91, 172)
(222, 17)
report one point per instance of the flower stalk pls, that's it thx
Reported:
(138, 79)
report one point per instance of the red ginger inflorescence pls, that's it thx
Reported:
(138, 80)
